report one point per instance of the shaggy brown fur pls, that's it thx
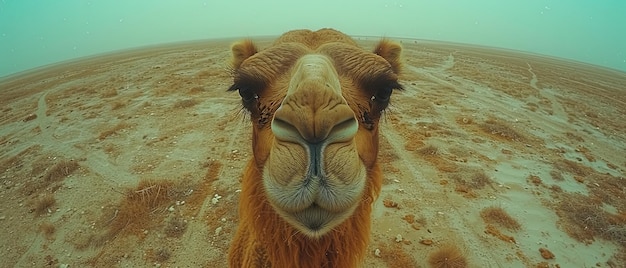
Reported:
(264, 238)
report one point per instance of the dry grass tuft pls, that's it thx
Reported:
(573, 168)
(396, 256)
(136, 210)
(584, 219)
(117, 105)
(108, 93)
(448, 256)
(159, 255)
(175, 227)
(479, 180)
(181, 104)
(44, 204)
(47, 229)
(500, 130)
(61, 170)
(114, 130)
(476, 181)
(534, 179)
(497, 215)
(556, 175)
(427, 151)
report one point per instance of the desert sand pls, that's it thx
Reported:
(133, 159)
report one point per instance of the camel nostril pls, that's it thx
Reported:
(284, 130)
(343, 131)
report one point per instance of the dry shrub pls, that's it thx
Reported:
(159, 255)
(10, 162)
(572, 168)
(479, 180)
(47, 229)
(117, 105)
(428, 151)
(431, 154)
(50, 181)
(137, 209)
(583, 219)
(476, 181)
(108, 93)
(448, 256)
(556, 175)
(497, 215)
(196, 90)
(181, 104)
(175, 227)
(43, 204)
(114, 130)
(609, 189)
(395, 256)
(61, 170)
(534, 179)
(500, 130)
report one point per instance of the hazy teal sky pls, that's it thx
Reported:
(39, 32)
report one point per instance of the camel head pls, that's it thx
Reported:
(315, 99)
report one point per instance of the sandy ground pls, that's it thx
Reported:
(134, 160)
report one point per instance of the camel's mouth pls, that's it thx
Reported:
(316, 221)
(315, 199)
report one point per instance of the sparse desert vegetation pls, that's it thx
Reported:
(447, 256)
(497, 215)
(498, 129)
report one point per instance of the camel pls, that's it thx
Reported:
(314, 99)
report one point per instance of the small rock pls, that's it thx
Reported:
(215, 199)
(377, 253)
(398, 238)
(427, 242)
(390, 203)
(546, 254)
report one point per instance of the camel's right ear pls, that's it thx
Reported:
(392, 52)
(241, 51)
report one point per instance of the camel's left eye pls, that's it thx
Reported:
(383, 94)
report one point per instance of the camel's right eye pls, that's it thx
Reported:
(246, 92)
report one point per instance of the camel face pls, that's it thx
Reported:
(313, 176)
(315, 99)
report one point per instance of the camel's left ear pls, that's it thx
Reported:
(392, 52)
(241, 51)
